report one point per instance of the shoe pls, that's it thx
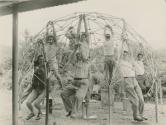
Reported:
(38, 117)
(68, 114)
(85, 117)
(138, 119)
(144, 118)
(31, 115)
(73, 116)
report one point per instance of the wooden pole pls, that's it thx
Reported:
(124, 101)
(161, 92)
(15, 67)
(156, 102)
(109, 104)
(86, 28)
(47, 96)
(88, 40)
(47, 84)
(79, 27)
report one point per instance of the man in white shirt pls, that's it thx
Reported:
(110, 53)
(131, 86)
(139, 69)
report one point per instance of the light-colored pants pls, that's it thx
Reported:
(73, 95)
(68, 95)
(53, 71)
(134, 93)
(80, 93)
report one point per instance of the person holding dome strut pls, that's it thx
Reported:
(110, 57)
(131, 86)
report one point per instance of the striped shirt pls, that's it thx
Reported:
(84, 50)
(50, 50)
(109, 47)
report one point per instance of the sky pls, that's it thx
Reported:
(147, 17)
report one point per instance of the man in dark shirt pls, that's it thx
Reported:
(38, 88)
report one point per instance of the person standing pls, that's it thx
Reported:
(133, 90)
(140, 72)
(81, 74)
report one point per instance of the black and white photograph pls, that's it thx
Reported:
(82, 62)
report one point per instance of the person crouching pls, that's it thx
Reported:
(38, 89)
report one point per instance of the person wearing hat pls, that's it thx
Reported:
(131, 86)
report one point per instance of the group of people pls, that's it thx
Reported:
(130, 70)
(74, 93)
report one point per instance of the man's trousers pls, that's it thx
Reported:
(134, 93)
(73, 95)
(142, 83)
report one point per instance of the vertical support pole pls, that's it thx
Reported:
(47, 85)
(86, 28)
(110, 101)
(156, 102)
(124, 101)
(79, 27)
(47, 97)
(15, 67)
(88, 40)
(109, 104)
(161, 92)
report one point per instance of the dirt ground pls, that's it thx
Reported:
(118, 117)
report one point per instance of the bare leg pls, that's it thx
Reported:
(31, 98)
(37, 103)
(57, 75)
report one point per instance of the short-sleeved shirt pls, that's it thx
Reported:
(139, 68)
(50, 52)
(84, 50)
